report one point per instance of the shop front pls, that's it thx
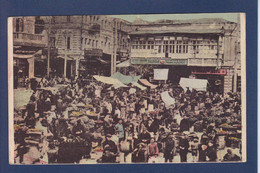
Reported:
(95, 62)
(214, 76)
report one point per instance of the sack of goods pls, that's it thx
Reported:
(124, 146)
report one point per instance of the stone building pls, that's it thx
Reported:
(29, 42)
(70, 46)
(87, 45)
(201, 48)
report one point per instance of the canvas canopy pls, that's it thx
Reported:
(124, 78)
(109, 80)
(167, 99)
(197, 84)
(147, 83)
(139, 86)
(124, 64)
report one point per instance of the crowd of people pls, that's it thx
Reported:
(126, 125)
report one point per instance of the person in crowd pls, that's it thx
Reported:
(110, 150)
(211, 152)
(230, 156)
(30, 115)
(120, 130)
(184, 125)
(153, 151)
(141, 115)
(79, 129)
(145, 136)
(140, 153)
(169, 149)
(184, 146)
(194, 144)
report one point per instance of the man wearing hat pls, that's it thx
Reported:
(184, 146)
(169, 149)
(230, 156)
(109, 150)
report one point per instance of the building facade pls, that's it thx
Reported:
(204, 49)
(87, 44)
(70, 46)
(29, 42)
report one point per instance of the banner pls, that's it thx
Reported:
(167, 99)
(160, 74)
(197, 84)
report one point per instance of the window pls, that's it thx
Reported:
(19, 25)
(196, 46)
(179, 47)
(172, 46)
(68, 18)
(52, 41)
(68, 43)
(159, 49)
(185, 47)
(150, 45)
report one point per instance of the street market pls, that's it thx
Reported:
(90, 121)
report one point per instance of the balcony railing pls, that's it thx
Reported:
(27, 36)
(29, 39)
(203, 62)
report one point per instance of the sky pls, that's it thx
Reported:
(153, 17)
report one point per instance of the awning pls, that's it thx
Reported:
(27, 54)
(63, 57)
(147, 83)
(22, 56)
(124, 78)
(103, 61)
(167, 99)
(124, 64)
(197, 84)
(139, 86)
(109, 80)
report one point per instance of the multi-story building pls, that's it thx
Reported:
(87, 44)
(29, 42)
(203, 48)
(95, 44)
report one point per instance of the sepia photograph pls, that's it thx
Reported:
(127, 89)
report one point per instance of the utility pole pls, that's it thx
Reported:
(113, 57)
(65, 55)
(218, 66)
(49, 48)
(235, 70)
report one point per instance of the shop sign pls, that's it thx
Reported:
(159, 61)
(93, 52)
(210, 72)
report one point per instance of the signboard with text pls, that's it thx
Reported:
(159, 61)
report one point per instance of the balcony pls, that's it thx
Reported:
(205, 62)
(26, 39)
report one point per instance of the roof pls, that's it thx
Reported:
(139, 21)
(190, 31)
